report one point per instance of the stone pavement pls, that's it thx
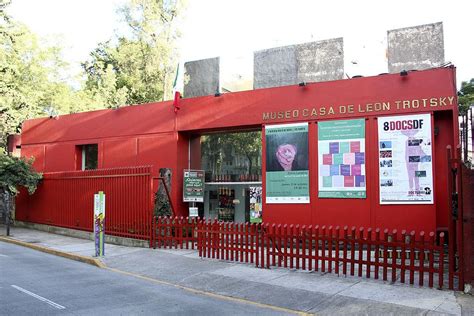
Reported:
(310, 292)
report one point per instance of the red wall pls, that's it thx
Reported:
(153, 134)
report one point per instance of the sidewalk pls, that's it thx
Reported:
(310, 292)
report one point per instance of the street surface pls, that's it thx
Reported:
(35, 283)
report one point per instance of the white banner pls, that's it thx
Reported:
(405, 159)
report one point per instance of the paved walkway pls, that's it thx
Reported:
(310, 292)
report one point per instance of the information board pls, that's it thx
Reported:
(405, 159)
(193, 186)
(287, 175)
(341, 150)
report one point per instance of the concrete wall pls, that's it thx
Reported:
(275, 67)
(320, 61)
(411, 48)
(415, 48)
(201, 77)
(311, 62)
(121, 241)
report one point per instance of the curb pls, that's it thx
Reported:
(84, 259)
(212, 294)
(100, 264)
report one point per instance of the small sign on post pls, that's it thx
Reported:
(193, 211)
(99, 223)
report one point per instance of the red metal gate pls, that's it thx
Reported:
(65, 199)
(461, 240)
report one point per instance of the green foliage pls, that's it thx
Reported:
(16, 172)
(466, 96)
(30, 77)
(219, 147)
(139, 67)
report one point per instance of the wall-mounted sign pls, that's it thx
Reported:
(287, 175)
(405, 159)
(99, 223)
(255, 204)
(374, 107)
(193, 186)
(341, 150)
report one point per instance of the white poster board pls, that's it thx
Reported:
(405, 159)
(193, 212)
(99, 223)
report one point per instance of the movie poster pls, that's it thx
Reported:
(341, 152)
(287, 175)
(405, 159)
(255, 204)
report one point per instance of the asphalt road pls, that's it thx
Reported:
(36, 283)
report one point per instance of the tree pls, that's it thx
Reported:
(14, 173)
(138, 67)
(247, 144)
(17, 172)
(466, 96)
(30, 77)
(220, 147)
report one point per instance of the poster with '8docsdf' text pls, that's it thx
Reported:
(405, 159)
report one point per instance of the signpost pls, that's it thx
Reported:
(99, 223)
(193, 190)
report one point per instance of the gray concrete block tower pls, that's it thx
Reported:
(308, 62)
(203, 77)
(415, 48)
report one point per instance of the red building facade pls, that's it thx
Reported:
(157, 135)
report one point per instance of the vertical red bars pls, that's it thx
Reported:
(360, 252)
(323, 248)
(403, 256)
(431, 258)
(421, 259)
(344, 251)
(296, 232)
(316, 251)
(377, 253)
(353, 237)
(329, 236)
(385, 254)
(412, 257)
(304, 247)
(310, 247)
(336, 248)
(441, 261)
(273, 241)
(304, 234)
(368, 252)
(394, 255)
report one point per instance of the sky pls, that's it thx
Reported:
(233, 30)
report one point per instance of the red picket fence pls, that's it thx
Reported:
(174, 232)
(394, 256)
(66, 199)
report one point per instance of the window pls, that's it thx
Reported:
(89, 154)
(232, 163)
